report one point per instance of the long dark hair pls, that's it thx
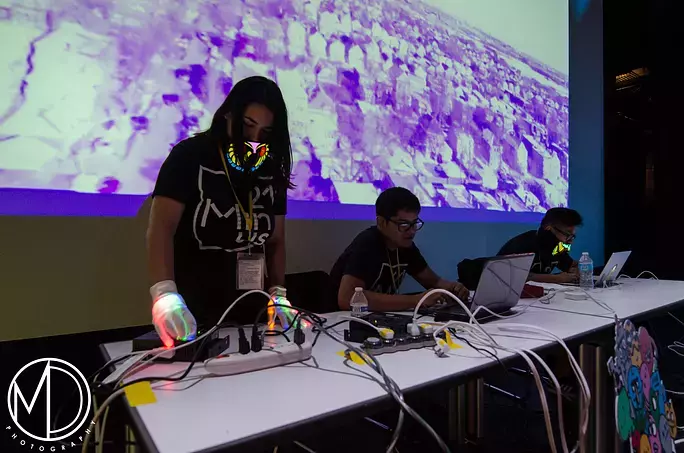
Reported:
(257, 90)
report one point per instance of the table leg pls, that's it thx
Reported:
(457, 415)
(587, 362)
(475, 409)
(604, 429)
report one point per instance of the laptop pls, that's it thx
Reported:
(499, 289)
(612, 269)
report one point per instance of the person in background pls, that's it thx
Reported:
(217, 220)
(551, 246)
(379, 257)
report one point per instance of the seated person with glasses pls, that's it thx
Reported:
(378, 259)
(551, 246)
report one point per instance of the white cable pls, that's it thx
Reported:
(559, 397)
(647, 272)
(584, 386)
(98, 414)
(459, 301)
(361, 321)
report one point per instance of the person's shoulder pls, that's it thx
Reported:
(522, 243)
(192, 146)
(368, 238)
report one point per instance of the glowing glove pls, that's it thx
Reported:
(171, 317)
(285, 315)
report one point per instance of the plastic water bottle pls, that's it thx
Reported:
(586, 271)
(358, 303)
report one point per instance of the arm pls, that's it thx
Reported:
(376, 301)
(430, 280)
(275, 254)
(165, 214)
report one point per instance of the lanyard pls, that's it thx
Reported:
(249, 217)
(394, 279)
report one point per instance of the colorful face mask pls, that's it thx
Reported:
(560, 248)
(251, 157)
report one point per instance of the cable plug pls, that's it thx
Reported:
(299, 336)
(413, 329)
(256, 341)
(387, 334)
(243, 343)
(442, 348)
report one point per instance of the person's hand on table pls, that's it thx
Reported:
(460, 291)
(171, 317)
(567, 277)
(432, 299)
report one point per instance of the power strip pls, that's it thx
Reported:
(272, 355)
(378, 346)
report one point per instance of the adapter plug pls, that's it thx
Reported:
(299, 336)
(442, 348)
(256, 341)
(243, 343)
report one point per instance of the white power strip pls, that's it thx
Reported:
(272, 355)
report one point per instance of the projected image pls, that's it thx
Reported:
(464, 103)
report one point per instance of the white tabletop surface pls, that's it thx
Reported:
(191, 416)
(629, 298)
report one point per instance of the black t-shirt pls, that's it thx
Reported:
(549, 253)
(212, 229)
(382, 270)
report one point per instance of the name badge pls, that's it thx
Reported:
(250, 271)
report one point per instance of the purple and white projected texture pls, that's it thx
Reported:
(463, 102)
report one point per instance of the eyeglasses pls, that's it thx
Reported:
(568, 236)
(403, 225)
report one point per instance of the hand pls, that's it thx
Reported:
(432, 299)
(461, 292)
(279, 296)
(567, 277)
(172, 319)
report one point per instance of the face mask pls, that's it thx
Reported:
(249, 158)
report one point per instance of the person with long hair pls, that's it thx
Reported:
(217, 221)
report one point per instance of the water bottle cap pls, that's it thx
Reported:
(358, 289)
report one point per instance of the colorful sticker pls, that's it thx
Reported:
(643, 414)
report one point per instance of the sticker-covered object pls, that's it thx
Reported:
(643, 414)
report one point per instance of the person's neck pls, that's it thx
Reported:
(390, 244)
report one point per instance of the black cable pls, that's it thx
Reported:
(185, 373)
(314, 317)
(480, 350)
(274, 333)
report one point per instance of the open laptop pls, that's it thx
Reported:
(612, 269)
(499, 289)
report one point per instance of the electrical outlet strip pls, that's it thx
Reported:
(132, 360)
(271, 356)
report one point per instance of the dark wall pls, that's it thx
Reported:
(643, 152)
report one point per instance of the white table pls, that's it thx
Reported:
(630, 298)
(233, 410)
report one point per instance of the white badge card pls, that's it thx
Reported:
(250, 271)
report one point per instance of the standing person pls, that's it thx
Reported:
(379, 257)
(551, 246)
(217, 221)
